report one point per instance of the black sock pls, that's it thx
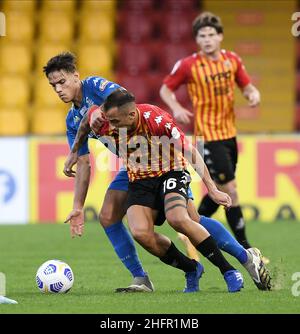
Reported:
(207, 207)
(210, 250)
(236, 222)
(175, 258)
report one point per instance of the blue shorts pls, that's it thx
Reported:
(121, 181)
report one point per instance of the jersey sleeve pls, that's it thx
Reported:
(242, 78)
(102, 88)
(71, 134)
(177, 77)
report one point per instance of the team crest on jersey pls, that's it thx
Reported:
(147, 114)
(227, 63)
(175, 133)
(103, 84)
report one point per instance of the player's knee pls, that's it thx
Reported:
(142, 237)
(176, 221)
(106, 218)
(232, 192)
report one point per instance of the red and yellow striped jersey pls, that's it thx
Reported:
(210, 86)
(149, 151)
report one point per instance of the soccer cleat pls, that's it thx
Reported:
(192, 279)
(234, 280)
(257, 269)
(4, 300)
(139, 284)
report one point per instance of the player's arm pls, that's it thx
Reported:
(195, 159)
(252, 94)
(181, 114)
(171, 83)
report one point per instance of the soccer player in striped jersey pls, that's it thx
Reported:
(210, 76)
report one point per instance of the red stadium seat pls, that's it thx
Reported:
(297, 117)
(177, 27)
(167, 54)
(134, 58)
(135, 28)
(135, 84)
(137, 5)
(175, 5)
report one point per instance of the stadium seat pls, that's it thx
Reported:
(135, 84)
(65, 6)
(94, 58)
(24, 6)
(137, 5)
(14, 91)
(44, 95)
(56, 27)
(177, 28)
(19, 27)
(135, 58)
(48, 121)
(136, 28)
(167, 54)
(105, 6)
(45, 51)
(181, 6)
(15, 59)
(96, 27)
(297, 117)
(13, 122)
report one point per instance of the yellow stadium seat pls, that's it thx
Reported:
(56, 27)
(24, 6)
(48, 121)
(15, 59)
(14, 91)
(96, 27)
(19, 27)
(66, 6)
(94, 59)
(45, 51)
(107, 6)
(44, 95)
(13, 122)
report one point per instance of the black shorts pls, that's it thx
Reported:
(221, 158)
(151, 192)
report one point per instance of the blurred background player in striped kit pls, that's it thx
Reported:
(210, 76)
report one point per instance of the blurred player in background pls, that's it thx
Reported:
(210, 76)
(63, 76)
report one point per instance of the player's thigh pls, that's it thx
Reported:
(113, 208)
(192, 210)
(218, 159)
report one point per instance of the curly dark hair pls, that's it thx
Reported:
(207, 19)
(63, 61)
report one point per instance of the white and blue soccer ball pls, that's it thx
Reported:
(54, 276)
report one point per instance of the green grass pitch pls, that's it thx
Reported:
(98, 272)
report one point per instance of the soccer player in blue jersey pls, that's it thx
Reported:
(62, 75)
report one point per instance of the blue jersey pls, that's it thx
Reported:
(95, 90)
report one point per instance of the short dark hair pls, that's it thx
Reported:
(118, 98)
(63, 61)
(207, 19)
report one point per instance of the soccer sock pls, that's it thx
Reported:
(224, 239)
(207, 207)
(236, 222)
(175, 258)
(125, 249)
(210, 250)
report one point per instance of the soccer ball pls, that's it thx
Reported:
(54, 276)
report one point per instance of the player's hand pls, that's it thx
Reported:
(96, 120)
(220, 197)
(69, 163)
(182, 115)
(254, 99)
(76, 220)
